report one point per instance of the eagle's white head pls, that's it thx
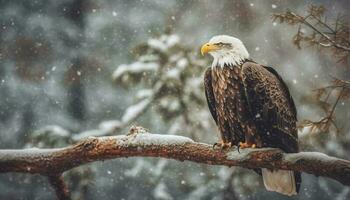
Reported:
(226, 50)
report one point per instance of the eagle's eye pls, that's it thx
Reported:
(221, 44)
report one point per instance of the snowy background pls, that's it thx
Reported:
(70, 69)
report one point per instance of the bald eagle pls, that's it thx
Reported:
(251, 106)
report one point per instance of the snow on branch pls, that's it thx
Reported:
(139, 142)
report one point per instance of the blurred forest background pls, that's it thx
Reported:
(74, 68)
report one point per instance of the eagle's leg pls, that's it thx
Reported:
(225, 138)
(250, 138)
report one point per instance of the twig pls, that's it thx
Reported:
(325, 122)
(334, 43)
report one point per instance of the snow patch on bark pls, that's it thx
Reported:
(243, 154)
(320, 157)
(146, 139)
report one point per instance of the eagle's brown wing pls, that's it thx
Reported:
(272, 108)
(209, 94)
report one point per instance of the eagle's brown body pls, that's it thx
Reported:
(230, 103)
(251, 103)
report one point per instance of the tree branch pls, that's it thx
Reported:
(141, 143)
(323, 34)
(334, 43)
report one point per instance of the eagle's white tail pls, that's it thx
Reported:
(281, 181)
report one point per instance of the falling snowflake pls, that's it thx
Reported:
(273, 6)
(114, 14)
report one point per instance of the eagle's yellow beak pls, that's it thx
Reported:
(208, 47)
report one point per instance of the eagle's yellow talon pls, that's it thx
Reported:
(244, 145)
(223, 145)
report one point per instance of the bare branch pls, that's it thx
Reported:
(322, 33)
(334, 43)
(324, 124)
(332, 35)
(141, 143)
